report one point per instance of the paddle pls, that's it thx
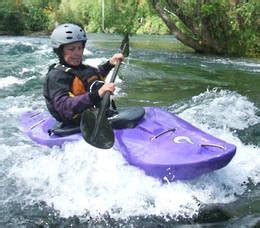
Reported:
(94, 125)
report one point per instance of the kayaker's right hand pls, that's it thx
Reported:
(108, 87)
(116, 57)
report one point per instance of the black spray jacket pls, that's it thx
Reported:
(67, 90)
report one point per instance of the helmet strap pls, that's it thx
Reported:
(59, 52)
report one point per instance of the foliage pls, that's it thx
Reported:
(212, 26)
(147, 21)
(38, 19)
(21, 16)
(120, 16)
(10, 16)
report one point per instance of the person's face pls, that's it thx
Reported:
(73, 53)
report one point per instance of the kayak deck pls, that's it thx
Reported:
(161, 144)
(37, 124)
(164, 145)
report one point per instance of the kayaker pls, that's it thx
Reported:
(71, 86)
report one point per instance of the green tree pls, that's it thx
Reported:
(10, 17)
(212, 26)
(36, 20)
(38, 13)
(120, 16)
(99, 15)
(23, 16)
(147, 21)
(132, 16)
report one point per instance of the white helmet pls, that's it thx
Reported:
(66, 34)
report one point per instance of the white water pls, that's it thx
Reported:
(79, 178)
(84, 181)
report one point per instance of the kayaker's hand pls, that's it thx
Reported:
(116, 57)
(108, 87)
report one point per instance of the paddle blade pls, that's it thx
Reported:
(104, 136)
(124, 47)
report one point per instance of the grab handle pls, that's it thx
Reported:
(162, 133)
(214, 145)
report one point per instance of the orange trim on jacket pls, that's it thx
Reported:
(78, 88)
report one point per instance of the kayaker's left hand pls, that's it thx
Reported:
(116, 57)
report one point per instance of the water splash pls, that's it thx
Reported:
(219, 109)
(81, 180)
(11, 80)
(85, 181)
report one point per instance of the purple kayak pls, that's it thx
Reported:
(161, 144)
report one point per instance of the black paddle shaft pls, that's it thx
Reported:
(94, 125)
(125, 51)
(106, 99)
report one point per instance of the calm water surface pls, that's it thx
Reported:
(77, 184)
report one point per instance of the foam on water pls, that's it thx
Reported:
(16, 41)
(11, 80)
(219, 109)
(84, 181)
(237, 63)
(220, 113)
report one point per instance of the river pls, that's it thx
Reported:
(79, 185)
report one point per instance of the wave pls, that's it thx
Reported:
(88, 182)
(11, 80)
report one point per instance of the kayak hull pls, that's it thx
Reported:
(162, 144)
(168, 147)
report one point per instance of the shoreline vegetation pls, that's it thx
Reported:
(218, 27)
